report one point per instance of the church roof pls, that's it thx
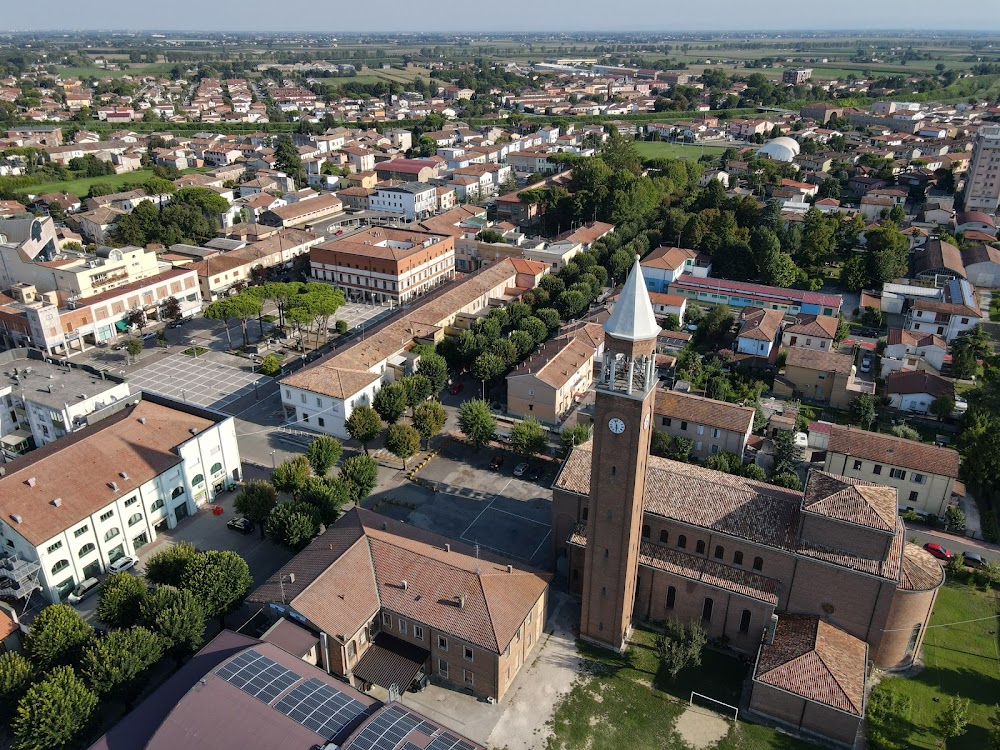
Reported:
(632, 318)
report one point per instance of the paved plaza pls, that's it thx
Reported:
(212, 380)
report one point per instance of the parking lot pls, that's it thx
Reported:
(213, 380)
(464, 499)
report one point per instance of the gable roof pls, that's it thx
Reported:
(893, 451)
(919, 381)
(935, 255)
(556, 362)
(761, 325)
(821, 326)
(816, 660)
(980, 254)
(897, 336)
(850, 500)
(706, 411)
(669, 258)
(811, 359)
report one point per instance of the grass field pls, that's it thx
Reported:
(81, 186)
(626, 702)
(959, 660)
(662, 150)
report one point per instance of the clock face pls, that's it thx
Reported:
(616, 426)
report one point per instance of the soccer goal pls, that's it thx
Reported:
(735, 709)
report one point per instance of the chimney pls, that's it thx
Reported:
(385, 526)
(447, 547)
(510, 568)
(31, 482)
(123, 474)
(114, 486)
(461, 601)
(57, 502)
(404, 585)
(142, 420)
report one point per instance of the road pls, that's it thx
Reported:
(953, 542)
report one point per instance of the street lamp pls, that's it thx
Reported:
(272, 461)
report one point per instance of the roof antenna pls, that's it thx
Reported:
(477, 550)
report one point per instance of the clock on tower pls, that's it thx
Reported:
(625, 397)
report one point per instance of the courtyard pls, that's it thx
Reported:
(213, 380)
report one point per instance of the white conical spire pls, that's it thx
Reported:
(632, 318)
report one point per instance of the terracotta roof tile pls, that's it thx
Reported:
(761, 325)
(556, 362)
(892, 450)
(821, 326)
(921, 572)
(706, 411)
(919, 381)
(851, 500)
(810, 359)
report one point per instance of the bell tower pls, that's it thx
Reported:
(622, 431)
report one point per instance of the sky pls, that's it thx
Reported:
(448, 15)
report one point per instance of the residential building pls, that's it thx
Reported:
(924, 475)
(829, 377)
(982, 183)
(301, 214)
(42, 402)
(712, 426)
(982, 266)
(917, 390)
(743, 294)
(975, 221)
(760, 332)
(410, 200)
(245, 692)
(407, 170)
(78, 504)
(548, 383)
(665, 265)
(937, 261)
(953, 310)
(323, 395)
(811, 332)
(796, 76)
(469, 619)
(907, 350)
(779, 574)
(382, 264)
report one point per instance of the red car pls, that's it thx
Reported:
(456, 388)
(938, 551)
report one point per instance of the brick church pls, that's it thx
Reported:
(816, 586)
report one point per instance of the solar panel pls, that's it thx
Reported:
(320, 707)
(448, 741)
(427, 728)
(257, 675)
(386, 730)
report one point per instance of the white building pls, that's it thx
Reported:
(982, 191)
(410, 200)
(75, 506)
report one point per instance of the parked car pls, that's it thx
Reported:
(456, 387)
(123, 563)
(496, 463)
(148, 335)
(866, 363)
(521, 469)
(938, 551)
(83, 590)
(177, 323)
(973, 560)
(535, 474)
(242, 525)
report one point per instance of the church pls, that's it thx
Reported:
(813, 586)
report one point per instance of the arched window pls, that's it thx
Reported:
(60, 566)
(177, 492)
(112, 533)
(706, 612)
(737, 558)
(671, 597)
(135, 519)
(86, 550)
(745, 621)
(682, 541)
(216, 468)
(700, 547)
(645, 531)
(719, 552)
(664, 536)
(758, 563)
(198, 479)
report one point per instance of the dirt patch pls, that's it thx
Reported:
(700, 728)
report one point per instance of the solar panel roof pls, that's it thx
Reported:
(320, 707)
(257, 675)
(386, 730)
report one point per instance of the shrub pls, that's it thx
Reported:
(271, 366)
(991, 529)
(341, 326)
(954, 519)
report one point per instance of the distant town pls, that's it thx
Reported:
(422, 392)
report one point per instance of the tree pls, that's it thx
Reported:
(418, 389)
(487, 367)
(244, 307)
(788, 479)
(219, 581)
(572, 436)
(905, 431)
(293, 524)
(166, 567)
(995, 729)
(177, 617)
(16, 674)
(255, 500)
(390, 402)
(117, 663)
(364, 425)
(679, 646)
(476, 422)
(864, 409)
(888, 718)
(886, 253)
(671, 323)
(953, 721)
(943, 406)
(528, 437)
(323, 454)
(54, 712)
(755, 472)
(222, 310)
(120, 599)
(290, 475)
(136, 318)
(57, 636)
(429, 418)
(271, 366)
(402, 441)
(967, 349)
(361, 475)
(133, 347)
(328, 495)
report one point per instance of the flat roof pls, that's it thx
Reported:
(51, 385)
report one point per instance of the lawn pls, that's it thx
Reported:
(627, 702)
(664, 150)
(80, 187)
(959, 660)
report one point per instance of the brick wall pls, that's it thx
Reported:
(867, 543)
(908, 609)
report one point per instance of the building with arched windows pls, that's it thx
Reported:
(76, 505)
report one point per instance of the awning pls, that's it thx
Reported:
(391, 661)
(121, 325)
